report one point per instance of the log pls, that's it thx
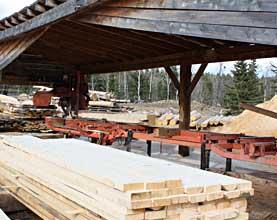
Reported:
(194, 116)
(102, 103)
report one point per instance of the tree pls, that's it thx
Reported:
(244, 88)
(274, 86)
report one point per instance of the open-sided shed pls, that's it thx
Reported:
(52, 37)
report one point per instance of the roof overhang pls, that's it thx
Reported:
(111, 36)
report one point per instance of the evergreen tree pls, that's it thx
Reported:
(244, 88)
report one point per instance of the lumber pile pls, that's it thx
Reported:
(7, 103)
(198, 121)
(37, 113)
(86, 181)
(31, 126)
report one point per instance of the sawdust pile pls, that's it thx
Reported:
(251, 123)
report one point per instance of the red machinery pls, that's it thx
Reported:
(72, 93)
(230, 146)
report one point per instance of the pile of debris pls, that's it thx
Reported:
(251, 123)
(198, 121)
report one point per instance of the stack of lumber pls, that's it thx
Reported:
(7, 103)
(71, 179)
(6, 122)
(31, 126)
(197, 120)
(252, 123)
(37, 113)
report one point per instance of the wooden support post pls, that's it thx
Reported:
(228, 167)
(149, 143)
(77, 93)
(185, 102)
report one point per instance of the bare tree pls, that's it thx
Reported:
(150, 86)
(139, 85)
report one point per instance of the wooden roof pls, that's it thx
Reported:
(110, 36)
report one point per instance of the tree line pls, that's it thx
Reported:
(242, 84)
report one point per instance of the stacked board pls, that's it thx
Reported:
(72, 179)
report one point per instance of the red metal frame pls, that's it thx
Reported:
(232, 146)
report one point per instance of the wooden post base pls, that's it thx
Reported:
(184, 151)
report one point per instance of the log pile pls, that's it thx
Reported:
(106, 102)
(86, 181)
(197, 120)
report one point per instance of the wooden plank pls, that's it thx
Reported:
(71, 189)
(189, 57)
(12, 49)
(230, 18)
(211, 31)
(215, 5)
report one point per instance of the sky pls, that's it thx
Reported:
(8, 7)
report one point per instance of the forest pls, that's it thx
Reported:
(242, 84)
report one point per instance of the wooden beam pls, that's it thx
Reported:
(51, 3)
(39, 8)
(246, 29)
(210, 5)
(30, 12)
(14, 20)
(197, 77)
(21, 17)
(190, 57)
(184, 102)
(66, 9)
(259, 110)
(185, 95)
(173, 78)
